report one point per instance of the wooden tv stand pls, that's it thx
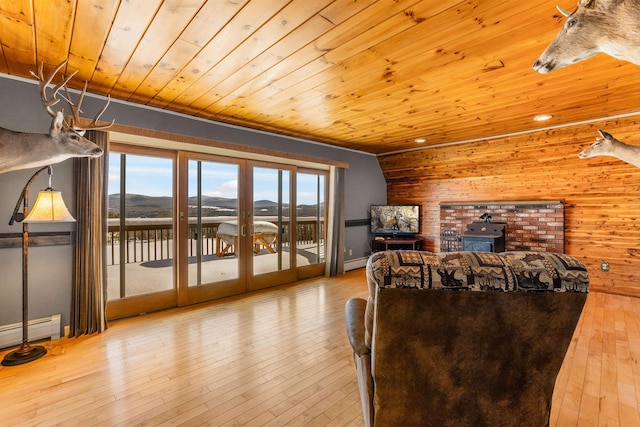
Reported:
(389, 243)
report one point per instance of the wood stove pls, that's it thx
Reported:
(483, 236)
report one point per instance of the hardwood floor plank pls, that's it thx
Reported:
(280, 357)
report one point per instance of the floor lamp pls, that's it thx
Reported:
(49, 207)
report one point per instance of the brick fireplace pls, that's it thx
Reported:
(535, 226)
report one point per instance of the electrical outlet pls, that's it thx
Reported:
(350, 251)
(604, 266)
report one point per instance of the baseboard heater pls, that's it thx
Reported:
(353, 264)
(39, 329)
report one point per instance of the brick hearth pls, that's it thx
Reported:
(535, 226)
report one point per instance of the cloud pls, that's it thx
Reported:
(228, 189)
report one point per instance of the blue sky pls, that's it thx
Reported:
(152, 176)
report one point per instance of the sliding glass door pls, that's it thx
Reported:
(140, 243)
(189, 227)
(212, 226)
(272, 225)
(311, 213)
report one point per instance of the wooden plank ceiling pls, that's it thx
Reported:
(363, 74)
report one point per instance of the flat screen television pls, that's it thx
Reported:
(395, 219)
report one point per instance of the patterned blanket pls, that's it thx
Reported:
(478, 271)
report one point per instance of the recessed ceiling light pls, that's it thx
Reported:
(542, 117)
(420, 140)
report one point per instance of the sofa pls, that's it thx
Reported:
(463, 338)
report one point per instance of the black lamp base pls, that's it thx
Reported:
(25, 354)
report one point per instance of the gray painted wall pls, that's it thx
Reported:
(50, 267)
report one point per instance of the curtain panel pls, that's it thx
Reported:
(89, 282)
(335, 247)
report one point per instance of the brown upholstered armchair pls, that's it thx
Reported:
(464, 338)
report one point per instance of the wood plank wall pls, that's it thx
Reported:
(601, 195)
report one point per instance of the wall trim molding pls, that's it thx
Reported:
(48, 238)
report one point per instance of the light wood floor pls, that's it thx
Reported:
(280, 357)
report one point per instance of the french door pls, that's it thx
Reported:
(237, 231)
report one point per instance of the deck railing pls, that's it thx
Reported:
(151, 239)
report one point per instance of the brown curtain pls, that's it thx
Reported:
(335, 250)
(89, 286)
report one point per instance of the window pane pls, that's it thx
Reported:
(310, 196)
(270, 230)
(213, 226)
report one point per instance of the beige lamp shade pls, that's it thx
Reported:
(49, 207)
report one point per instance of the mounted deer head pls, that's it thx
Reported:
(607, 145)
(608, 26)
(30, 150)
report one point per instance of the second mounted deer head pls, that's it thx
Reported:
(607, 145)
(65, 139)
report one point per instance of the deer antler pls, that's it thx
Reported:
(75, 109)
(44, 82)
(49, 102)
